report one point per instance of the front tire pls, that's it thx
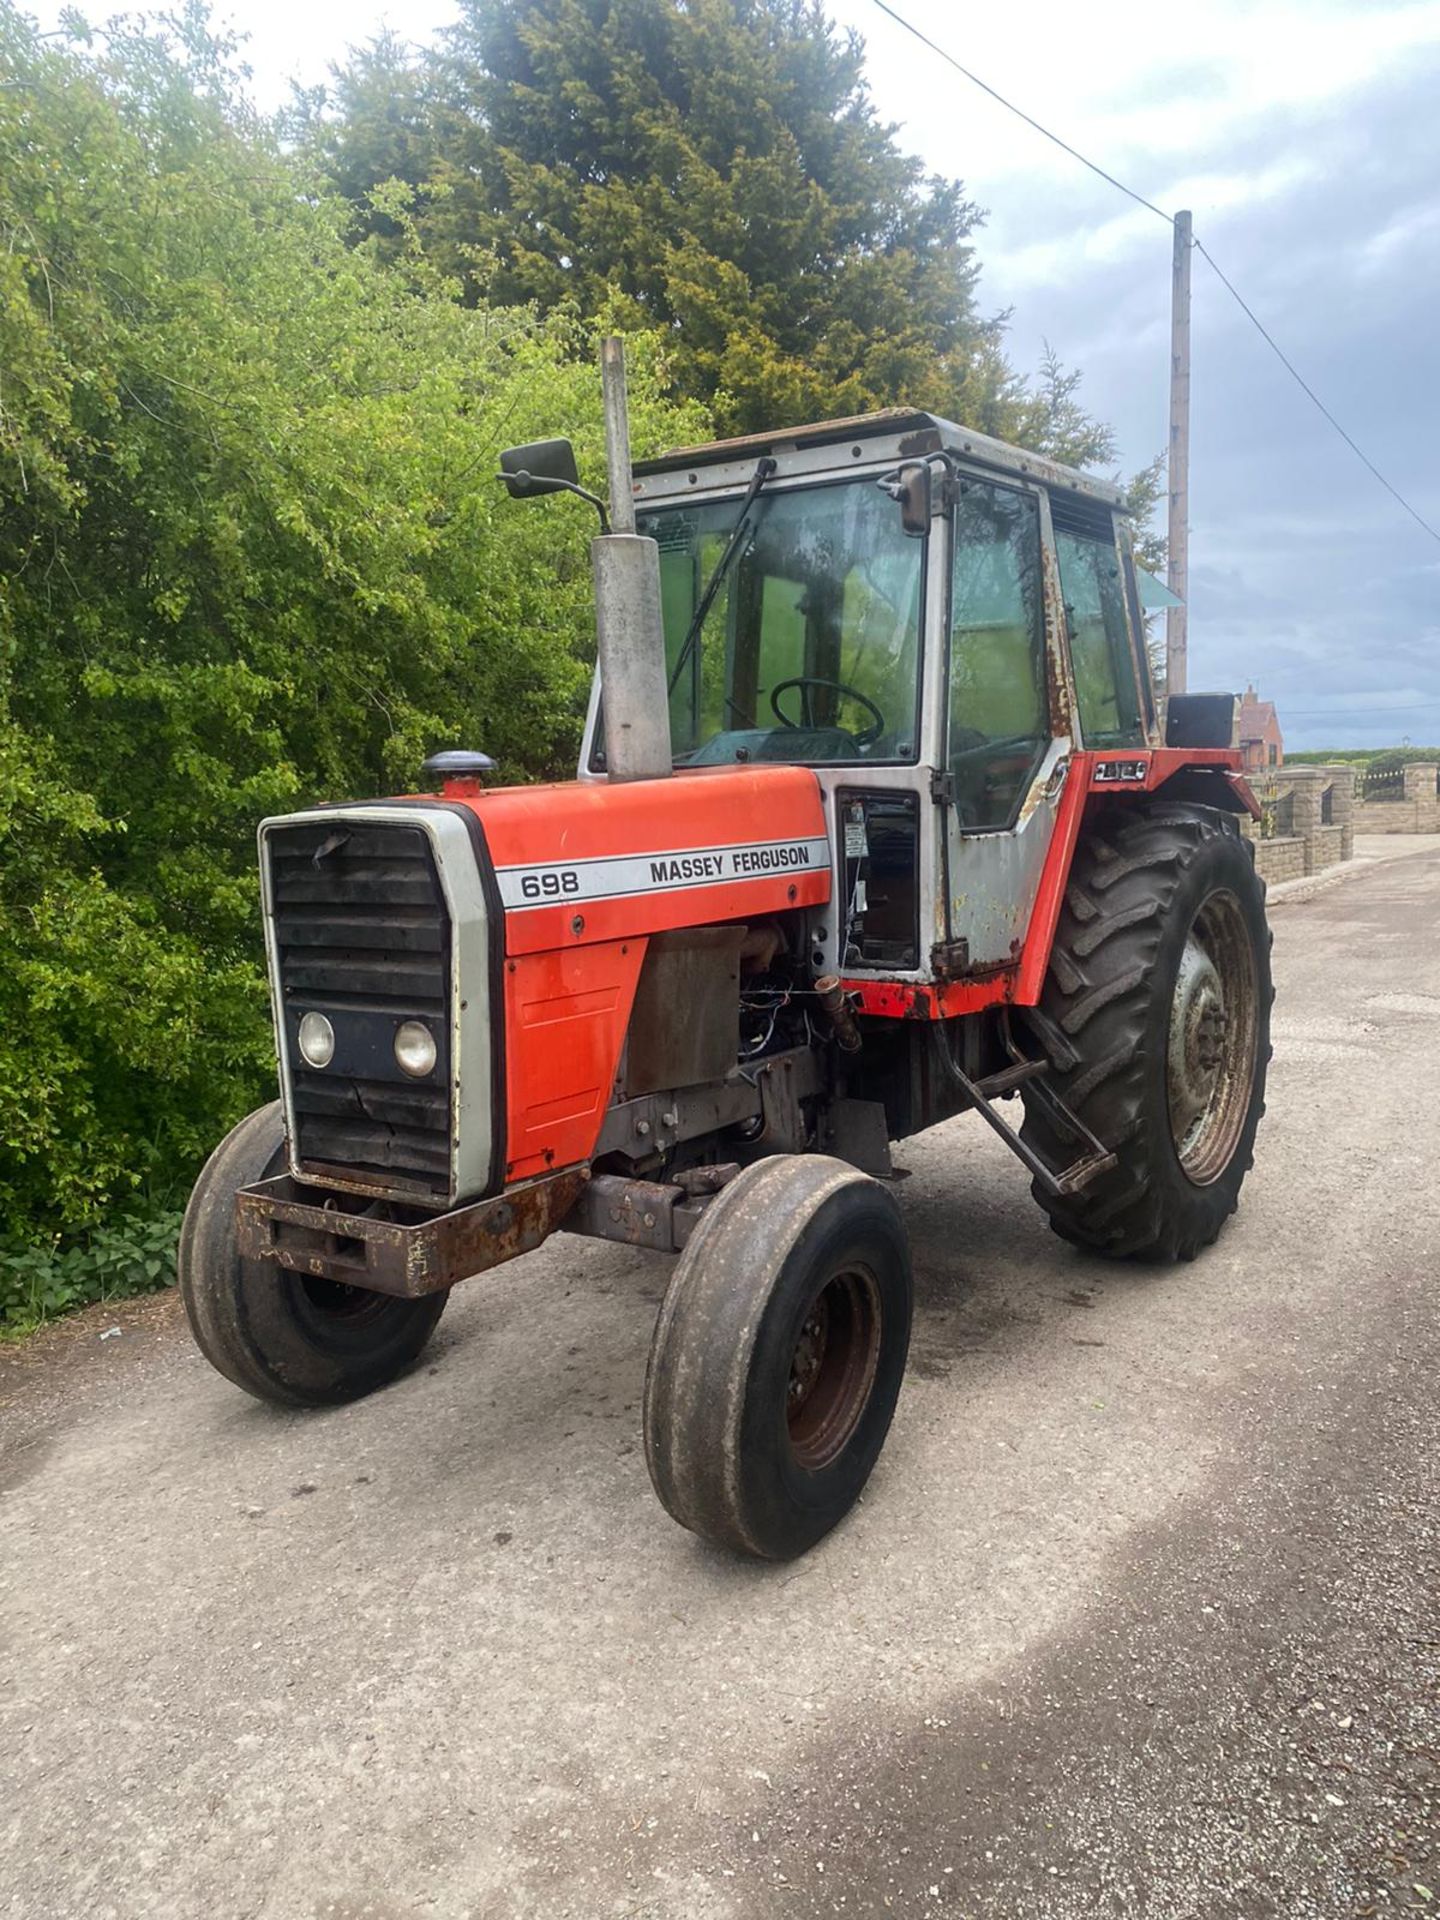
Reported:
(778, 1355)
(284, 1337)
(1160, 980)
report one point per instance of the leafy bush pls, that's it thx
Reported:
(251, 556)
(1394, 758)
(1377, 759)
(135, 1255)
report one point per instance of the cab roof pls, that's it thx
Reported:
(901, 432)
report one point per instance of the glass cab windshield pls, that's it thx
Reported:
(810, 649)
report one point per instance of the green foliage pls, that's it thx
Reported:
(39, 1280)
(1392, 759)
(1375, 759)
(251, 555)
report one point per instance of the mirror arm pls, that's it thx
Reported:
(533, 483)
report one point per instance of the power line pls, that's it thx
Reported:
(1021, 114)
(1310, 392)
(1150, 207)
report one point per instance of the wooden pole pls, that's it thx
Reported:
(1177, 618)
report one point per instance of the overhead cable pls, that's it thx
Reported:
(1150, 207)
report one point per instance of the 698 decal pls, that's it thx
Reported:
(550, 883)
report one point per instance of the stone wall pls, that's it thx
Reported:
(1328, 848)
(1299, 798)
(1417, 811)
(1277, 860)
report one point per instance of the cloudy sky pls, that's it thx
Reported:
(1305, 137)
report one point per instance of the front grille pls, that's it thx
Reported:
(362, 935)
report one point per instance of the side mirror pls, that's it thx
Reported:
(545, 466)
(909, 487)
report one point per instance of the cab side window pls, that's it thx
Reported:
(998, 712)
(1104, 666)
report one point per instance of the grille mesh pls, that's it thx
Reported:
(363, 936)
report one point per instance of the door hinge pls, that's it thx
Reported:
(942, 787)
(950, 960)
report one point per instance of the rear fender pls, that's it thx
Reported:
(1211, 787)
(1207, 777)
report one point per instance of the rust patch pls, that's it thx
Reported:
(1057, 672)
(914, 445)
(835, 1005)
(294, 1226)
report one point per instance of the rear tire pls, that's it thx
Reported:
(778, 1356)
(1160, 980)
(285, 1337)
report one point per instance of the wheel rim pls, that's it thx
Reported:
(832, 1368)
(1210, 1063)
(333, 1308)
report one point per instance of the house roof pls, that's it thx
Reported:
(1256, 716)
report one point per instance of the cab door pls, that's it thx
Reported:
(1006, 733)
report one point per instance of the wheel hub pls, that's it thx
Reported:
(832, 1367)
(808, 1357)
(1210, 1059)
(1197, 1036)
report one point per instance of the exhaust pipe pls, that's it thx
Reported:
(629, 631)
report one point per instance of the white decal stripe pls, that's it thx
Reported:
(553, 883)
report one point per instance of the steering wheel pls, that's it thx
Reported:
(805, 681)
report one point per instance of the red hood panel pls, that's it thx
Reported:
(591, 861)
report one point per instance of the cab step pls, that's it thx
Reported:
(1093, 1158)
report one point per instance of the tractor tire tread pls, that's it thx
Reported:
(1103, 977)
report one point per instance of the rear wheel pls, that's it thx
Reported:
(290, 1338)
(778, 1355)
(1160, 981)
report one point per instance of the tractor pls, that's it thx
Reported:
(876, 822)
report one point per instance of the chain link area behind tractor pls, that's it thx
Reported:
(874, 824)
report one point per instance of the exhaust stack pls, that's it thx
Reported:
(629, 632)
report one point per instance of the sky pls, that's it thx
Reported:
(1303, 137)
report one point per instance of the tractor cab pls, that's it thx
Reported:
(931, 620)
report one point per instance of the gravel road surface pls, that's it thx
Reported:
(1138, 1616)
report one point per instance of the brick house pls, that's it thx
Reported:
(1261, 742)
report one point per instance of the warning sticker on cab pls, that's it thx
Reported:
(1111, 772)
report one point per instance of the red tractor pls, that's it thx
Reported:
(874, 823)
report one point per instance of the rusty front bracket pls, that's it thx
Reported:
(281, 1220)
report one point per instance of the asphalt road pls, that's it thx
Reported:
(1138, 1616)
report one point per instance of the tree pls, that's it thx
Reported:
(251, 555)
(712, 167)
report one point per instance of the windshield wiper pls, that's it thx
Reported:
(762, 473)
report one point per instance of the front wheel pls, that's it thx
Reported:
(1160, 980)
(778, 1355)
(286, 1337)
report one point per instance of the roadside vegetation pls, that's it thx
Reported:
(1375, 759)
(254, 376)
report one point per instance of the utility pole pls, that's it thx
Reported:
(1178, 475)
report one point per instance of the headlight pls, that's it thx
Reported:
(415, 1049)
(317, 1040)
